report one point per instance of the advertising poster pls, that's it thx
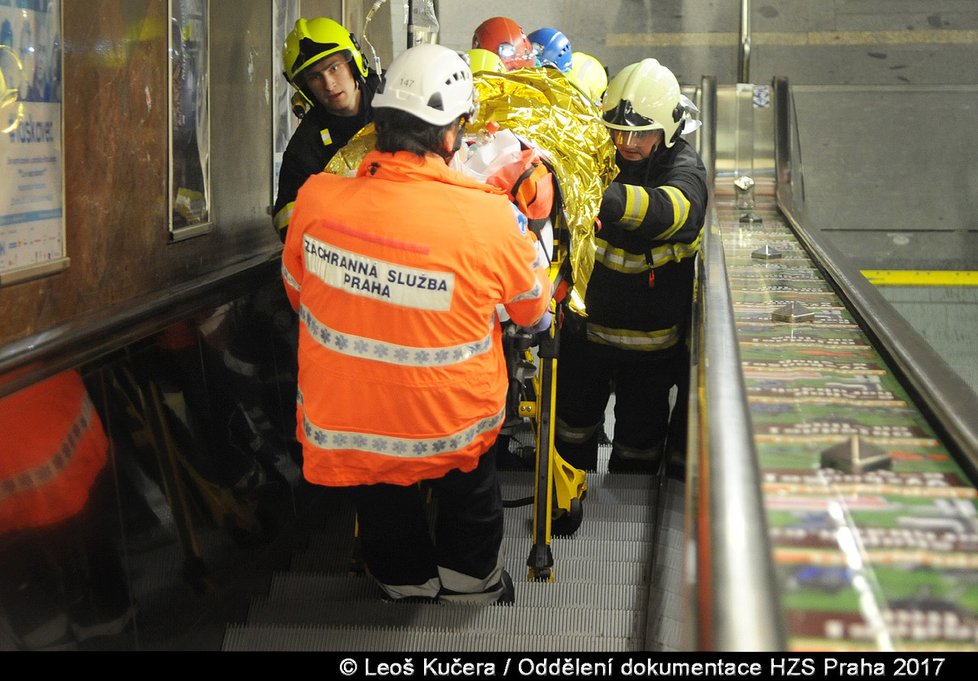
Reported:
(190, 135)
(31, 157)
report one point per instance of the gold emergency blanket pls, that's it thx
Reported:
(541, 107)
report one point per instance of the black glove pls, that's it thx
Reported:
(612, 204)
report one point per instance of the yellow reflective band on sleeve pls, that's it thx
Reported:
(284, 216)
(636, 206)
(618, 259)
(680, 210)
(674, 252)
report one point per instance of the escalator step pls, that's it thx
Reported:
(299, 590)
(590, 528)
(300, 638)
(587, 570)
(513, 620)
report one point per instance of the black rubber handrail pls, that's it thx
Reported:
(89, 337)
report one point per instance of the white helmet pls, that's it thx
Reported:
(645, 96)
(429, 81)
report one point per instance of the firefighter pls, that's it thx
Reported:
(324, 63)
(633, 341)
(396, 274)
(61, 576)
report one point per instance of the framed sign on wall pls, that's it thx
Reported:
(32, 226)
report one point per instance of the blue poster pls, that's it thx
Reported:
(31, 156)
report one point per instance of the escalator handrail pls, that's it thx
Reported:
(738, 604)
(87, 338)
(945, 396)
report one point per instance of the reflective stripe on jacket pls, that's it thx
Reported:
(395, 275)
(53, 449)
(640, 291)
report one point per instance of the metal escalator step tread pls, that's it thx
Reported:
(598, 601)
(322, 587)
(626, 513)
(326, 552)
(598, 571)
(514, 619)
(588, 570)
(564, 548)
(323, 559)
(593, 479)
(300, 590)
(635, 496)
(515, 547)
(308, 638)
(613, 530)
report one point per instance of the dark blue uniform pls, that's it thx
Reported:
(317, 139)
(633, 341)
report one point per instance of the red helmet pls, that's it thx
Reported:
(505, 37)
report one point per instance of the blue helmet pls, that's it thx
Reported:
(552, 48)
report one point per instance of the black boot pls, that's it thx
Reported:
(583, 456)
(630, 461)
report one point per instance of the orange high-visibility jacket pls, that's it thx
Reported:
(53, 447)
(395, 275)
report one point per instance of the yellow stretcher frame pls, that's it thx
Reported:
(558, 488)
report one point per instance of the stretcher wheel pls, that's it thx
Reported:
(568, 521)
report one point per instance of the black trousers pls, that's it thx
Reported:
(588, 373)
(400, 548)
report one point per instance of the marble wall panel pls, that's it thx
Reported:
(116, 158)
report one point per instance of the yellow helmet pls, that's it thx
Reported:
(315, 39)
(485, 60)
(588, 75)
(645, 96)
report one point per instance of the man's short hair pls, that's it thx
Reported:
(400, 131)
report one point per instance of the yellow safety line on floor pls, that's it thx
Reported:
(810, 38)
(921, 277)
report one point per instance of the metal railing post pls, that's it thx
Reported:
(743, 59)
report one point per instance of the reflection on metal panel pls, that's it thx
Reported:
(871, 515)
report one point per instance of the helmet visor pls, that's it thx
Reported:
(623, 116)
(631, 138)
